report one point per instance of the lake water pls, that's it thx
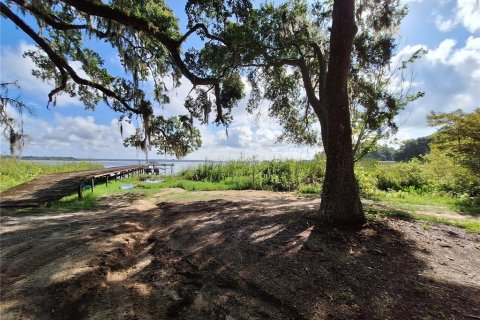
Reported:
(178, 166)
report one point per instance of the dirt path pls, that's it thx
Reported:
(241, 255)
(48, 188)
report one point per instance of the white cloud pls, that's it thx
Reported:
(445, 24)
(75, 136)
(82, 136)
(467, 60)
(15, 67)
(249, 135)
(443, 51)
(469, 14)
(466, 13)
(450, 75)
(177, 97)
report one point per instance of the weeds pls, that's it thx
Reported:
(287, 175)
(374, 214)
(410, 187)
(414, 183)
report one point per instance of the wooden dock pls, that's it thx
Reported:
(49, 188)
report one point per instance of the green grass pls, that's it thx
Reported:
(71, 203)
(141, 188)
(275, 175)
(189, 185)
(407, 185)
(442, 202)
(14, 172)
(468, 224)
(305, 177)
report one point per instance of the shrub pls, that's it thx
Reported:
(402, 177)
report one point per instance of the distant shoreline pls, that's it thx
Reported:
(101, 159)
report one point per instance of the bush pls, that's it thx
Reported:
(402, 177)
(447, 176)
(309, 189)
(435, 176)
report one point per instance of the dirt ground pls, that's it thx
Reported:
(230, 255)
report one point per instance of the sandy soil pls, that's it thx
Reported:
(235, 255)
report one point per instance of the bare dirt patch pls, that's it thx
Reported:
(238, 255)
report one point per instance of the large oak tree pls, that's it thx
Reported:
(299, 60)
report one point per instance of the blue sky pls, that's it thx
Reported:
(449, 74)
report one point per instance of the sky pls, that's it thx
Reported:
(449, 74)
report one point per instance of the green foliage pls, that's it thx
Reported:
(374, 215)
(408, 150)
(175, 135)
(309, 189)
(284, 49)
(410, 186)
(72, 203)
(381, 153)
(412, 148)
(366, 175)
(199, 185)
(146, 36)
(434, 181)
(450, 176)
(402, 176)
(458, 136)
(14, 172)
(273, 175)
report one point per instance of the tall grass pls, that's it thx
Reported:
(416, 182)
(14, 172)
(276, 175)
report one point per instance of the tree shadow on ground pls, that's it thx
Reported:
(223, 259)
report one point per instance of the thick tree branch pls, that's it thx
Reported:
(58, 24)
(307, 82)
(60, 63)
(219, 118)
(50, 19)
(206, 33)
(99, 9)
(322, 68)
(276, 64)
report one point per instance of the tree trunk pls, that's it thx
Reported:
(340, 203)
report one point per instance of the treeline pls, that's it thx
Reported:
(39, 158)
(458, 136)
(408, 150)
